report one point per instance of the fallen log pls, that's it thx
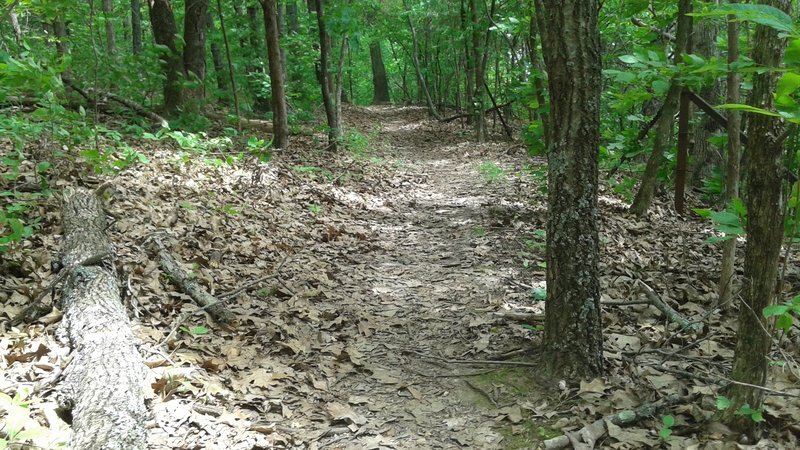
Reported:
(130, 104)
(189, 286)
(103, 388)
(467, 114)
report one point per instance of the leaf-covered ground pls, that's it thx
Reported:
(384, 318)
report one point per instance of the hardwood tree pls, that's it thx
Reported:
(323, 74)
(380, 82)
(732, 167)
(276, 73)
(763, 171)
(573, 345)
(111, 41)
(136, 27)
(162, 20)
(647, 189)
(195, 24)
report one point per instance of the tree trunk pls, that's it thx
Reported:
(136, 26)
(232, 78)
(162, 21)
(538, 83)
(280, 117)
(12, 17)
(292, 17)
(478, 57)
(339, 82)
(644, 196)
(732, 167)
(111, 41)
(765, 207)
(103, 387)
(415, 60)
(469, 64)
(704, 43)
(379, 82)
(323, 73)
(573, 345)
(194, 50)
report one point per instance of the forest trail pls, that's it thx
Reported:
(394, 275)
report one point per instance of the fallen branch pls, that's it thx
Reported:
(189, 286)
(522, 317)
(672, 315)
(103, 388)
(130, 104)
(588, 436)
(467, 114)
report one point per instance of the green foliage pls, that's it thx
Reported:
(19, 426)
(491, 172)
(784, 314)
(196, 330)
(730, 222)
(666, 427)
(756, 415)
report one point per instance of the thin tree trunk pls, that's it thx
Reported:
(379, 82)
(339, 82)
(12, 17)
(136, 26)
(538, 84)
(194, 49)
(415, 60)
(732, 167)
(573, 344)
(644, 196)
(324, 76)
(765, 211)
(292, 17)
(469, 75)
(280, 116)
(111, 41)
(228, 57)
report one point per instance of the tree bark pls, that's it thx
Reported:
(732, 166)
(765, 208)
(12, 17)
(415, 60)
(136, 26)
(573, 344)
(162, 21)
(194, 50)
(469, 63)
(380, 83)
(644, 196)
(276, 73)
(232, 78)
(111, 40)
(323, 74)
(103, 388)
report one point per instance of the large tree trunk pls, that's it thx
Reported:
(380, 84)
(111, 40)
(276, 73)
(194, 36)
(162, 20)
(136, 26)
(644, 196)
(573, 344)
(732, 168)
(103, 388)
(765, 207)
(323, 74)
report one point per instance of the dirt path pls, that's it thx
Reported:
(429, 291)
